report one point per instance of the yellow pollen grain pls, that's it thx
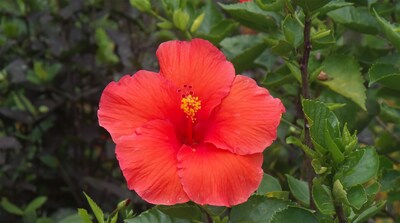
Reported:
(190, 105)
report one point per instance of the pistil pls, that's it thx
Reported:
(190, 105)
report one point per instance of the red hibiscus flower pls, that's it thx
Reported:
(193, 131)
(241, 1)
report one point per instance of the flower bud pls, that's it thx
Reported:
(181, 19)
(197, 23)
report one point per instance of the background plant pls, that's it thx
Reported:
(334, 64)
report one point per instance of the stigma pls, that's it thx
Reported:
(190, 105)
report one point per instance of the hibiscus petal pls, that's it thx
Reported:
(218, 177)
(148, 161)
(134, 100)
(200, 65)
(246, 121)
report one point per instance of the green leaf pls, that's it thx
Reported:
(294, 214)
(323, 200)
(345, 78)
(390, 180)
(331, 146)
(318, 115)
(212, 17)
(318, 167)
(74, 218)
(349, 141)
(141, 5)
(114, 219)
(357, 196)
(311, 5)
(359, 167)
(257, 209)
(296, 141)
(333, 5)
(35, 204)
(294, 68)
(10, 207)
(243, 50)
(371, 211)
(339, 192)
(386, 74)
(182, 211)
(39, 70)
(293, 31)
(282, 48)
(219, 31)
(372, 190)
(50, 160)
(155, 216)
(356, 118)
(45, 220)
(356, 18)
(250, 15)
(106, 46)
(271, 5)
(268, 184)
(98, 213)
(84, 215)
(283, 195)
(299, 189)
(391, 32)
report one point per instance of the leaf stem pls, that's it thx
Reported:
(340, 214)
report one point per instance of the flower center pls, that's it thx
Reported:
(190, 105)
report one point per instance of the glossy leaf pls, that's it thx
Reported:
(212, 16)
(357, 196)
(296, 141)
(84, 215)
(345, 78)
(311, 5)
(371, 211)
(243, 50)
(318, 115)
(386, 74)
(299, 189)
(268, 184)
(257, 209)
(356, 18)
(293, 31)
(390, 180)
(389, 30)
(356, 118)
(10, 207)
(359, 167)
(250, 15)
(98, 213)
(323, 199)
(35, 204)
(294, 214)
(182, 211)
(155, 216)
(106, 46)
(339, 193)
(333, 5)
(270, 5)
(331, 146)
